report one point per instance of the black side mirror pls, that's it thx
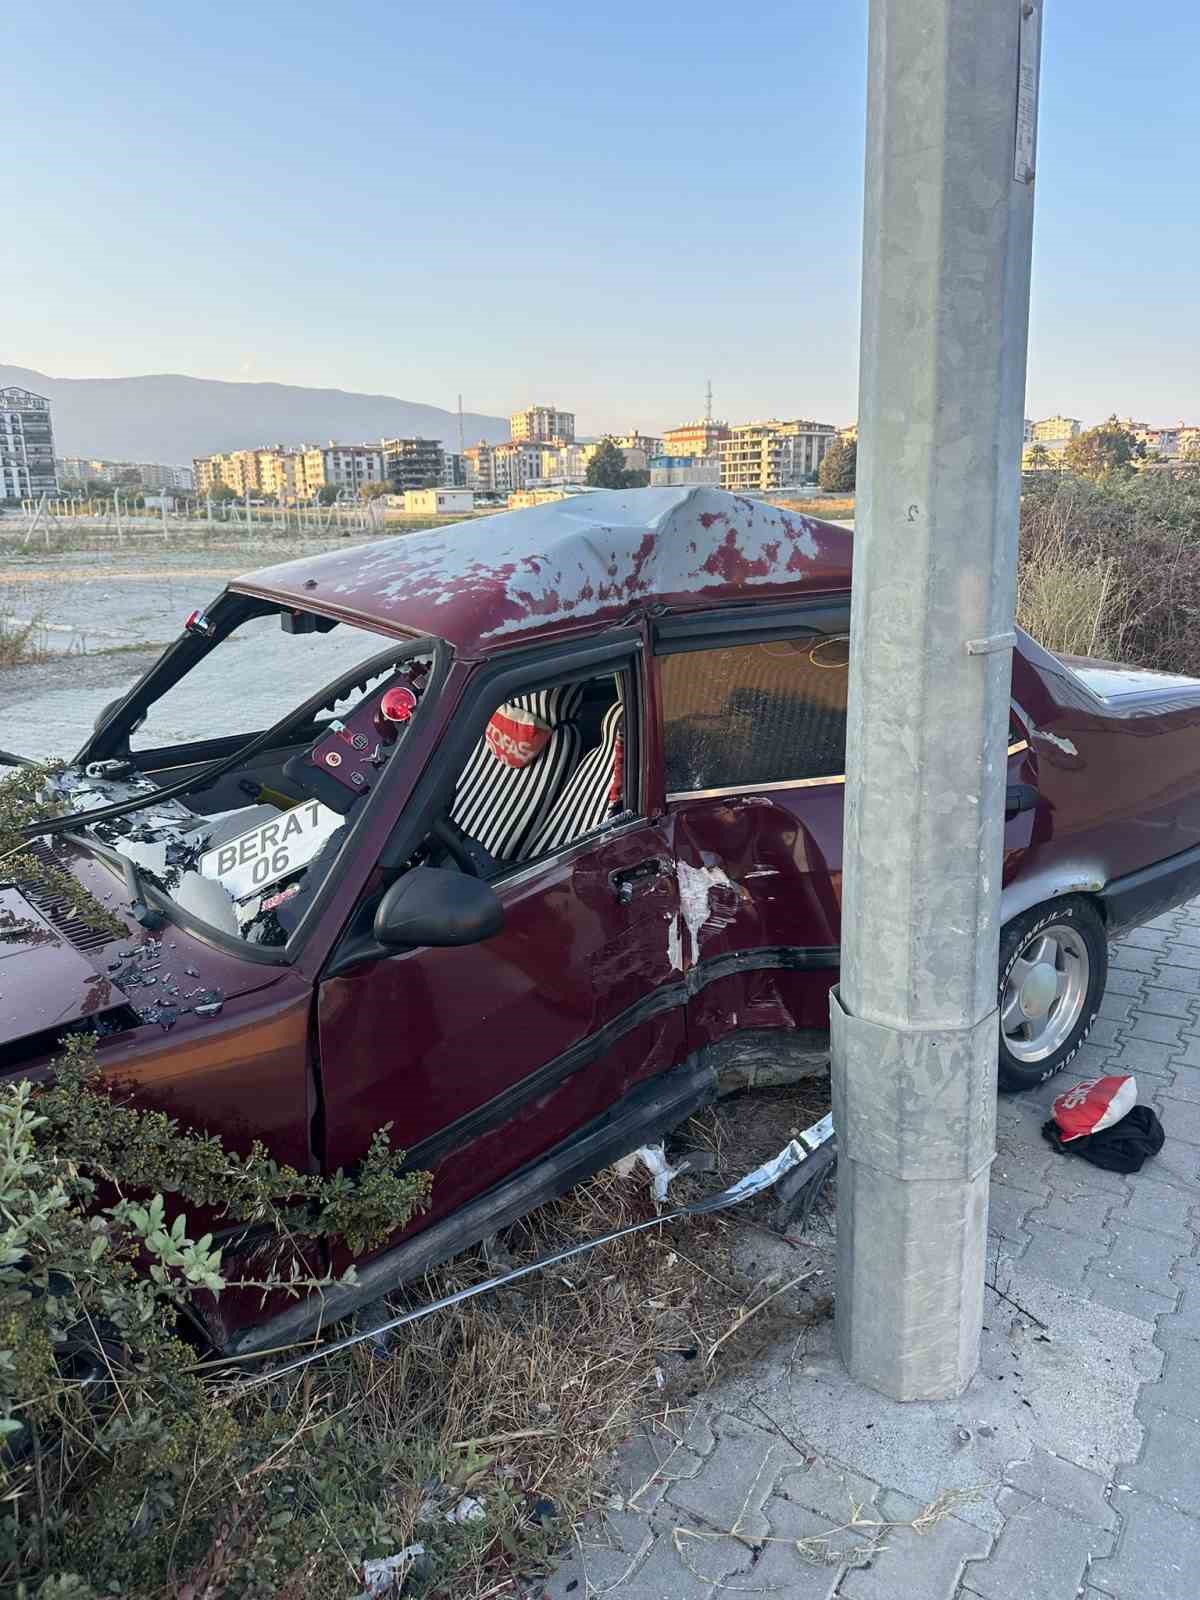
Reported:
(434, 906)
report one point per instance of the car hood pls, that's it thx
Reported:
(56, 972)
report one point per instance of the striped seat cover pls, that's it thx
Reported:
(501, 807)
(586, 801)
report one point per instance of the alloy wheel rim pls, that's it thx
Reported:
(1045, 992)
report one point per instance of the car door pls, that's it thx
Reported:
(754, 740)
(753, 754)
(484, 1056)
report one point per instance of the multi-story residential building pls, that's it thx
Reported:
(542, 424)
(26, 446)
(646, 443)
(1053, 433)
(514, 465)
(155, 475)
(454, 470)
(234, 469)
(564, 463)
(413, 463)
(345, 467)
(773, 454)
(84, 469)
(667, 472)
(1167, 443)
(502, 468)
(281, 473)
(703, 438)
(478, 468)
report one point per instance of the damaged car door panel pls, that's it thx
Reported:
(525, 837)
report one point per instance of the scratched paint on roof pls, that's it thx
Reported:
(611, 553)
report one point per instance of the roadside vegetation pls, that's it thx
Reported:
(1110, 566)
(20, 640)
(459, 1452)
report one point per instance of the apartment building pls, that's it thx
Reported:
(644, 443)
(454, 470)
(347, 468)
(503, 468)
(773, 454)
(413, 463)
(238, 470)
(1054, 433)
(477, 468)
(1167, 443)
(281, 473)
(155, 475)
(542, 424)
(514, 465)
(703, 438)
(26, 446)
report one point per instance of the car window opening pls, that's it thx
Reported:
(245, 853)
(764, 713)
(548, 770)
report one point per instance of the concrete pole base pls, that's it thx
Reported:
(915, 1113)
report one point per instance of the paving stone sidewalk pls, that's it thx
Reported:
(1071, 1466)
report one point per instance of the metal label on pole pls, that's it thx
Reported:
(1028, 57)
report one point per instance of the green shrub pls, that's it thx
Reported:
(127, 1463)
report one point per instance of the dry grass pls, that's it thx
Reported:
(518, 1398)
(827, 506)
(1113, 570)
(1068, 602)
(20, 641)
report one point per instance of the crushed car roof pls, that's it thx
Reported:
(525, 576)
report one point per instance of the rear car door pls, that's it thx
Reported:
(484, 1056)
(754, 743)
(754, 731)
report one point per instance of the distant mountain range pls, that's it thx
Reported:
(170, 418)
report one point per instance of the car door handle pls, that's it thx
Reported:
(1019, 797)
(625, 881)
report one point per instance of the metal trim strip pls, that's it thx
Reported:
(1016, 749)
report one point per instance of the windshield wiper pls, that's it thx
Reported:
(142, 913)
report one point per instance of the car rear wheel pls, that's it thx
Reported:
(1053, 968)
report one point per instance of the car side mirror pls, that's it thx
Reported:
(435, 906)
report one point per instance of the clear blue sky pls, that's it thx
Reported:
(596, 206)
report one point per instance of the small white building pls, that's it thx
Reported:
(439, 502)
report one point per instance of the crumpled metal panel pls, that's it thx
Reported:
(526, 575)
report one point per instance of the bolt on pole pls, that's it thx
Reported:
(952, 103)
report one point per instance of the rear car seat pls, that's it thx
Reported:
(502, 808)
(590, 795)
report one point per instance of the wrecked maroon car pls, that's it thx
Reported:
(533, 846)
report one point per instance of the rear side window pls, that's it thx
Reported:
(747, 714)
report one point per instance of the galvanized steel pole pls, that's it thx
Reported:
(952, 88)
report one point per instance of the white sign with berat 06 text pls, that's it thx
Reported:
(247, 864)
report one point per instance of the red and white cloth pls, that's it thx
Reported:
(1094, 1104)
(516, 736)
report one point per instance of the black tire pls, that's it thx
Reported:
(1077, 915)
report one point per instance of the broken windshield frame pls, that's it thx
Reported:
(156, 683)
